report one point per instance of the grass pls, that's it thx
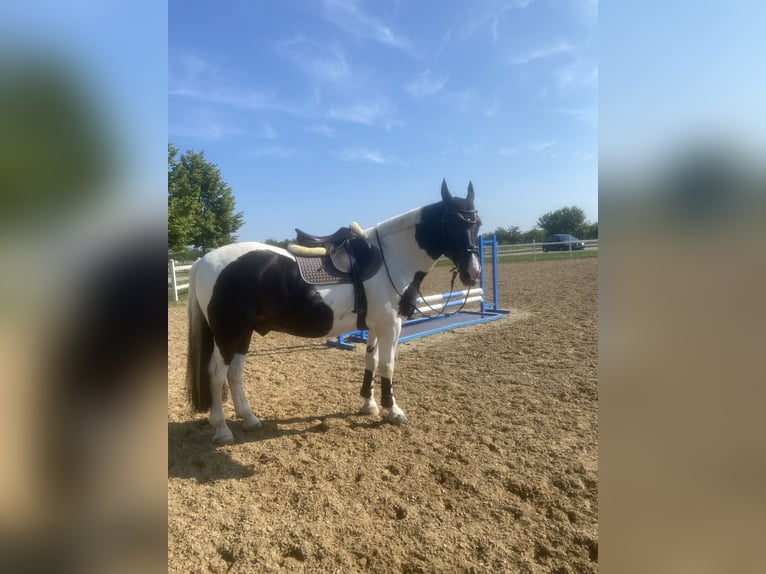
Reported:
(530, 257)
(183, 298)
(545, 256)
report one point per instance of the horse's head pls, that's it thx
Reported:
(460, 231)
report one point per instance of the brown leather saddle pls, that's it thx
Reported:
(347, 257)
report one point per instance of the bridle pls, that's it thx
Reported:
(468, 216)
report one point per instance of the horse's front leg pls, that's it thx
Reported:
(387, 341)
(370, 407)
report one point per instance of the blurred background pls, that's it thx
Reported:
(682, 185)
(83, 134)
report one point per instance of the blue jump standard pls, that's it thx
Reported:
(424, 326)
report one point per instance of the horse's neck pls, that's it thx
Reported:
(404, 256)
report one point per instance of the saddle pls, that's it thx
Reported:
(346, 256)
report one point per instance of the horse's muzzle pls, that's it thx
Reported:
(470, 273)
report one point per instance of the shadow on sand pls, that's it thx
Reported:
(192, 454)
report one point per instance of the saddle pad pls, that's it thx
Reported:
(320, 271)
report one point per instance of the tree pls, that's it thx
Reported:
(182, 205)
(565, 220)
(533, 236)
(283, 243)
(200, 204)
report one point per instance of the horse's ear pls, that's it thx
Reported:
(446, 195)
(469, 197)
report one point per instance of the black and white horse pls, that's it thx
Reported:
(245, 287)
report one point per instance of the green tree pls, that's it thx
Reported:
(565, 220)
(505, 235)
(533, 235)
(283, 243)
(200, 204)
(182, 205)
(590, 231)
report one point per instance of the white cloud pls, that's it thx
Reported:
(535, 147)
(544, 52)
(362, 154)
(205, 125)
(373, 114)
(577, 75)
(542, 146)
(444, 43)
(245, 99)
(207, 130)
(326, 63)
(348, 15)
(425, 85)
(193, 65)
(479, 19)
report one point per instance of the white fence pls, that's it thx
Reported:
(177, 273)
(540, 249)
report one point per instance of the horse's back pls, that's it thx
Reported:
(208, 269)
(253, 286)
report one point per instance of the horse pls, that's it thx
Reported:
(244, 287)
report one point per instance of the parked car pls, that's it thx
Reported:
(562, 242)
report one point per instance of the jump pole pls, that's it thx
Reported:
(428, 325)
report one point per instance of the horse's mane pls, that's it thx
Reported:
(397, 223)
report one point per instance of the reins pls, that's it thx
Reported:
(401, 296)
(436, 312)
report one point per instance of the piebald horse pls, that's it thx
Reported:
(245, 287)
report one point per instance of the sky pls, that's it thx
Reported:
(322, 113)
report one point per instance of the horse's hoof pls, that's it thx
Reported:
(372, 410)
(252, 423)
(397, 418)
(223, 439)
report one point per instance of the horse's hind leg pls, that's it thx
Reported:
(218, 369)
(368, 384)
(241, 406)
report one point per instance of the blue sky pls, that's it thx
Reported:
(320, 113)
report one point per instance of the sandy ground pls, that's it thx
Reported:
(496, 472)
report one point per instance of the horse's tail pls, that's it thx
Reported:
(199, 352)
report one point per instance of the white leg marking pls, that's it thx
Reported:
(396, 415)
(370, 407)
(388, 343)
(217, 369)
(241, 406)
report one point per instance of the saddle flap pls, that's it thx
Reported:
(340, 257)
